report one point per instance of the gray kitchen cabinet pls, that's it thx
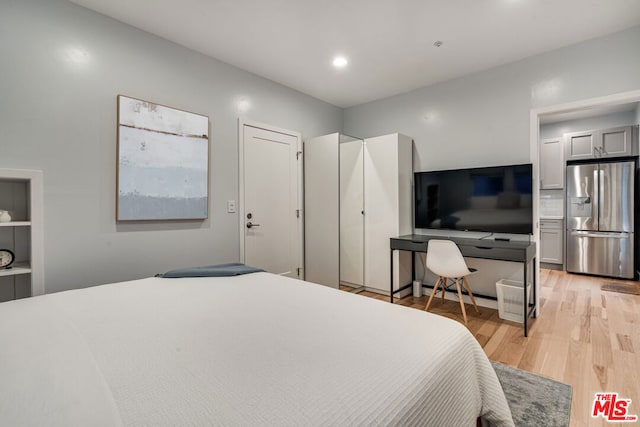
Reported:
(580, 145)
(551, 164)
(552, 241)
(614, 142)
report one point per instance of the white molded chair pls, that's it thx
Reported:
(446, 261)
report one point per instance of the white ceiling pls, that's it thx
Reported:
(389, 43)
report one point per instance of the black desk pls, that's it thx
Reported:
(524, 252)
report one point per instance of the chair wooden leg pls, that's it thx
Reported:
(464, 312)
(444, 288)
(433, 292)
(466, 285)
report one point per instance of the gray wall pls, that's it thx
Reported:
(58, 114)
(553, 130)
(62, 67)
(483, 119)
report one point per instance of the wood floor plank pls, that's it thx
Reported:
(583, 336)
(578, 356)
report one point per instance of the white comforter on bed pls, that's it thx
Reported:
(253, 350)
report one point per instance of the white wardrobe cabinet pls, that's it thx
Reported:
(331, 163)
(357, 196)
(388, 172)
(352, 213)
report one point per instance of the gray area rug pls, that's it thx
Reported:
(534, 400)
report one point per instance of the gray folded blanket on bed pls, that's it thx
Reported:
(219, 270)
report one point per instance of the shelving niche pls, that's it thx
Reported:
(21, 195)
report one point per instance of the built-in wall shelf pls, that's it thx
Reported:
(16, 269)
(21, 193)
(15, 224)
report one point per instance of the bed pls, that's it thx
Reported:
(256, 349)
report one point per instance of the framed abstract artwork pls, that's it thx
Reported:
(163, 162)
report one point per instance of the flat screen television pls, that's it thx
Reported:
(491, 199)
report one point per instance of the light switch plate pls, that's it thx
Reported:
(231, 206)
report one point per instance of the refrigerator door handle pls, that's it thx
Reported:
(597, 194)
(581, 200)
(603, 196)
(601, 235)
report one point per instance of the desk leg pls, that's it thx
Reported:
(391, 278)
(535, 298)
(526, 301)
(413, 267)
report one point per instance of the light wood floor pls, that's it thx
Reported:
(583, 336)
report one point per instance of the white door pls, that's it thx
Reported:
(352, 213)
(322, 210)
(380, 208)
(270, 209)
(388, 173)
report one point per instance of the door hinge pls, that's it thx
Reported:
(298, 154)
(297, 213)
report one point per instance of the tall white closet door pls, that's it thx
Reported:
(351, 218)
(388, 171)
(322, 210)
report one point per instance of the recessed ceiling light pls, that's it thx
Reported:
(340, 62)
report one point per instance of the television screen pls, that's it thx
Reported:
(493, 199)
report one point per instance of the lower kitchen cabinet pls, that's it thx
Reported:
(552, 241)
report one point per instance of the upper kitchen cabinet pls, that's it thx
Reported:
(580, 145)
(616, 142)
(551, 164)
(613, 142)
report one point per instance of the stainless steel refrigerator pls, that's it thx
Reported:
(600, 218)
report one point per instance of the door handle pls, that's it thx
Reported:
(602, 235)
(251, 225)
(581, 200)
